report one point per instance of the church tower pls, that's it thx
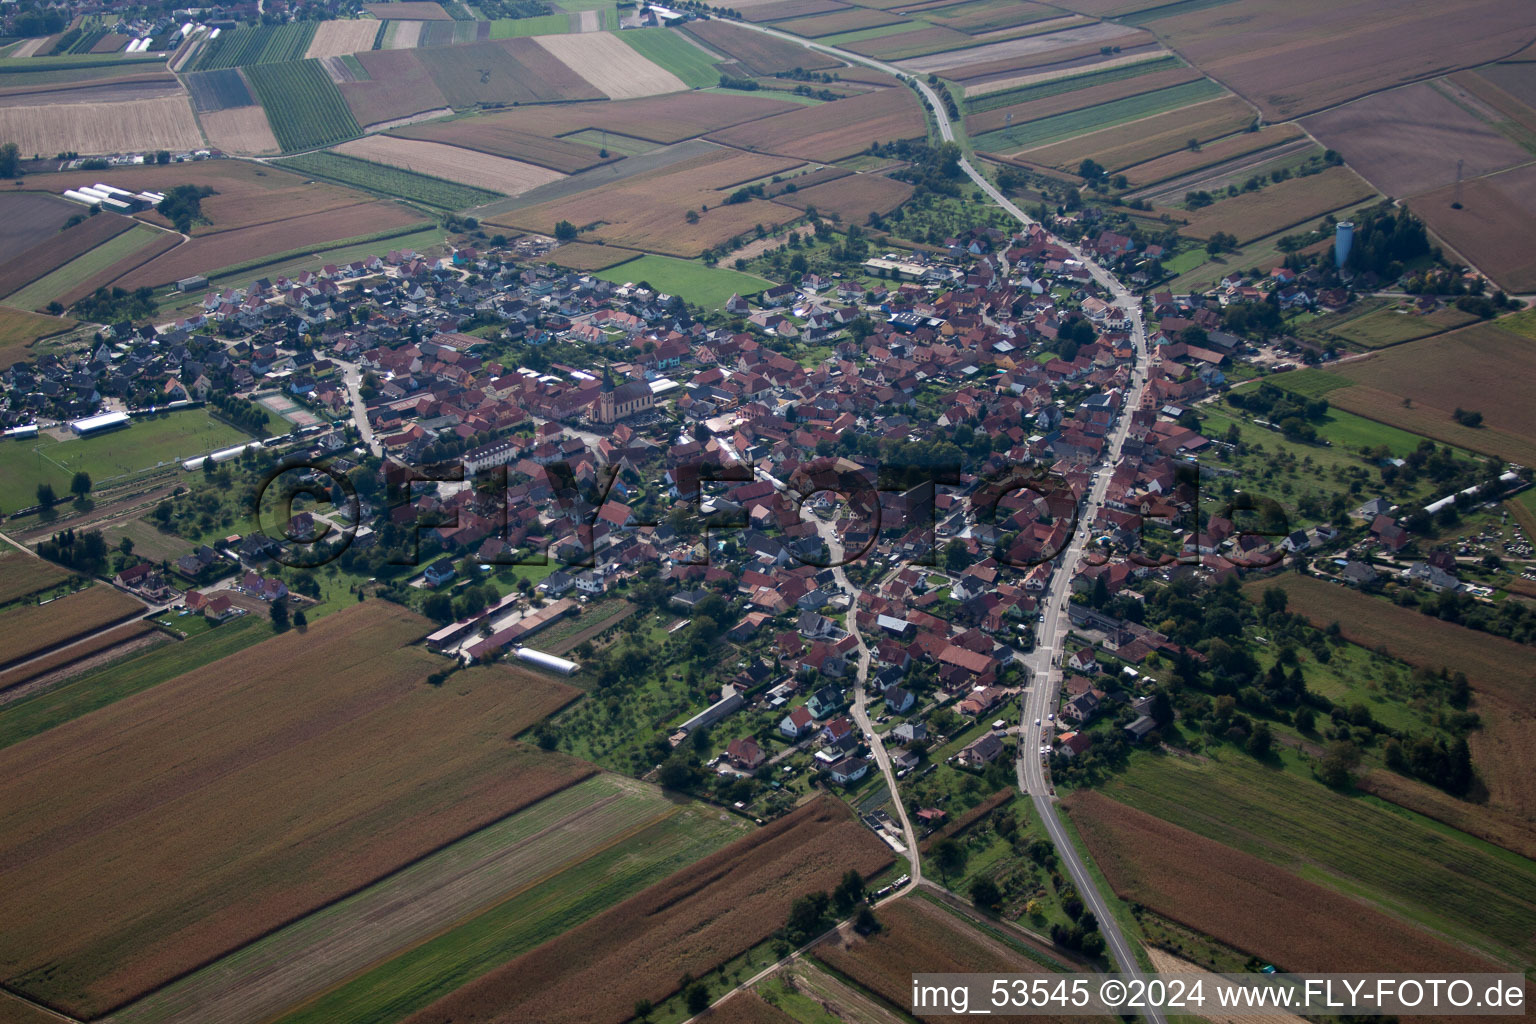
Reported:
(605, 398)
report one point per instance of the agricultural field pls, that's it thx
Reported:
(134, 87)
(1417, 386)
(918, 41)
(336, 38)
(582, 256)
(240, 131)
(1314, 54)
(21, 574)
(1393, 325)
(31, 219)
(1495, 825)
(1246, 903)
(414, 10)
(1134, 108)
(692, 921)
(771, 10)
(267, 44)
(66, 280)
(615, 69)
(489, 134)
(19, 329)
(676, 53)
(757, 53)
(1412, 140)
(481, 171)
(207, 254)
(123, 126)
(218, 90)
(27, 630)
(1149, 138)
(1276, 207)
(978, 17)
(748, 1008)
(1189, 162)
(849, 19)
(120, 637)
(1020, 50)
(505, 72)
(398, 86)
(1501, 749)
(835, 130)
(647, 211)
(1034, 103)
(351, 780)
(852, 197)
(303, 105)
(158, 439)
(697, 283)
(515, 858)
(1493, 228)
(917, 935)
(391, 181)
(41, 252)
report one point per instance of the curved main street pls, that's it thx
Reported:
(1044, 662)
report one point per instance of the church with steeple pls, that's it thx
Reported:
(619, 403)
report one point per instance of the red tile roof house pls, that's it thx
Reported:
(745, 754)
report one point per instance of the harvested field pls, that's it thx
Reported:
(772, 10)
(918, 936)
(403, 35)
(129, 125)
(1279, 206)
(211, 252)
(657, 119)
(67, 278)
(21, 574)
(89, 648)
(832, 131)
(218, 90)
(1099, 33)
(1493, 228)
(88, 84)
(1294, 58)
(614, 68)
(1139, 141)
(980, 17)
(1190, 161)
(584, 256)
(1090, 71)
(480, 170)
(400, 86)
(912, 44)
(646, 211)
(335, 38)
(246, 194)
(1482, 367)
(1493, 824)
(162, 243)
(139, 87)
(758, 53)
(27, 630)
(19, 328)
(1247, 903)
(747, 1007)
(1505, 98)
(852, 198)
(505, 860)
(692, 921)
(301, 793)
(243, 131)
(1020, 113)
(409, 10)
(484, 135)
(841, 20)
(37, 259)
(1412, 140)
(506, 71)
(1063, 60)
(647, 164)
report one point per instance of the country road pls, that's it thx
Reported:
(1044, 671)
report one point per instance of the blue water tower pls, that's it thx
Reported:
(1343, 237)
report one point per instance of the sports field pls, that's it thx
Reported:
(145, 443)
(702, 285)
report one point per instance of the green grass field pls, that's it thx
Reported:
(100, 687)
(303, 104)
(542, 25)
(144, 444)
(394, 182)
(50, 286)
(1078, 122)
(673, 51)
(1407, 864)
(702, 285)
(394, 989)
(860, 34)
(1389, 327)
